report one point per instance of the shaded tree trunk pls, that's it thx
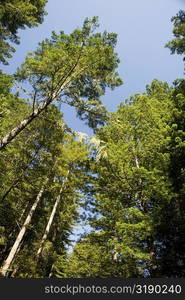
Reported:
(14, 132)
(50, 221)
(6, 264)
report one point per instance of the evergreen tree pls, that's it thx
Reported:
(177, 45)
(15, 15)
(131, 187)
(43, 151)
(170, 230)
(75, 69)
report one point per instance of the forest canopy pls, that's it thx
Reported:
(126, 182)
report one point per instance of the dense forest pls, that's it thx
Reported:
(126, 183)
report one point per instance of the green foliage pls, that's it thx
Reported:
(129, 187)
(171, 221)
(177, 45)
(127, 182)
(6, 82)
(87, 260)
(75, 69)
(43, 150)
(15, 15)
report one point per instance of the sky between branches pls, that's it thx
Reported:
(143, 28)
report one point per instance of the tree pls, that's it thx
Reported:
(177, 45)
(88, 259)
(130, 187)
(171, 221)
(75, 69)
(44, 150)
(19, 180)
(15, 15)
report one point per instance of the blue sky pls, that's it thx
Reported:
(143, 28)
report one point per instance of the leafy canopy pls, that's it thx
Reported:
(15, 15)
(74, 68)
(177, 45)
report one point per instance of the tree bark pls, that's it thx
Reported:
(6, 264)
(14, 132)
(50, 221)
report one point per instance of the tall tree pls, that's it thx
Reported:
(72, 172)
(170, 227)
(23, 169)
(75, 69)
(170, 247)
(130, 185)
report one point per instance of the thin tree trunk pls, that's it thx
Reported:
(14, 132)
(137, 162)
(14, 272)
(51, 272)
(6, 264)
(139, 195)
(115, 255)
(50, 221)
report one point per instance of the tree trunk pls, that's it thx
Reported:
(137, 162)
(14, 132)
(50, 221)
(6, 264)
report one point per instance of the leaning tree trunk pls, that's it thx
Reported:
(14, 132)
(6, 264)
(50, 221)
